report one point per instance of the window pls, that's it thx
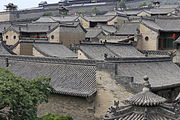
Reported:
(146, 38)
(52, 36)
(14, 37)
(7, 37)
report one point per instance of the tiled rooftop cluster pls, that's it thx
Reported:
(98, 49)
(143, 106)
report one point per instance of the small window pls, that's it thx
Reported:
(52, 36)
(6, 37)
(146, 38)
(14, 37)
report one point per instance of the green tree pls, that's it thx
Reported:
(19, 97)
(55, 117)
(47, 14)
(95, 10)
(142, 4)
(122, 4)
(81, 11)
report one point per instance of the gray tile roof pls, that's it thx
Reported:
(111, 13)
(163, 72)
(99, 18)
(39, 27)
(45, 19)
(146, 97)
(129, 28)
(93, 32)
(54, 50)
(4, 49)
(163, 24)
(33, 27)
(109, 28)
(169, 6)
(160, 11)
(66, 18)
(129, 12)
(98, 50)
(124, 50)
(4, 26)
(52, 19)
(70, 77)
(143, 106)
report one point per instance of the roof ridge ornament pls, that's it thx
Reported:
(147, 85)
(146, 97)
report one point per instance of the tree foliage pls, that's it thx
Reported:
(81, 12)
(142, 4)
(95, 10)
(19, 97)
(55, 117)
(122, 4)
(47, 14)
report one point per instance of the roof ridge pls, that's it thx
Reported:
(52, 60)
(138, 59)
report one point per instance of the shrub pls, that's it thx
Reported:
(55, 117)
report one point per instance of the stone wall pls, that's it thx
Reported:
(54, 33)
(176, 59)
(81, 55)
(17, 49)
(149, 40)
(84, 23)
(112, 22)
(73, 36)
(143, 14)
(26, 49)
(107, 91)
(37, 53)
(76, 107)
(4, 16)
(11, 37)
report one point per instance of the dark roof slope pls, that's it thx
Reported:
(46, 19)
(164, 73)
(164, 24)
(124, 50)
(160, 11)
(4, 49)
(143, 106)
(99, 18)
(109, 28)
(129, 28)
(4, 26)
(50, 19)
(98, 50)
(93, 32)
(129, 12)
(33, 27)
(54, 50)
(70, 77)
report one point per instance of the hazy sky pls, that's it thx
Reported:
(24, 3)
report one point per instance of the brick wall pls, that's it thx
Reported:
(76, 107)
(107, 91)
(151, 43)
(11, 37)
